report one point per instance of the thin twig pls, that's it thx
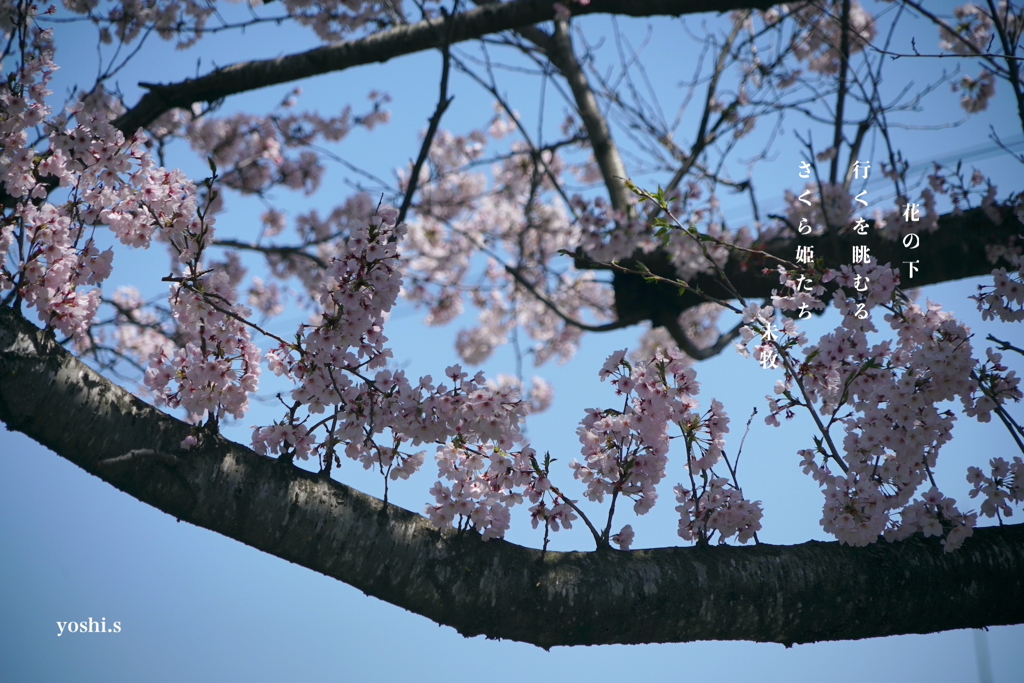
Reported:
(443, 101)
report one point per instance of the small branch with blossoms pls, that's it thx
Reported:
(626, 452)
(997, 385)
(551, 517)
(1003, 485)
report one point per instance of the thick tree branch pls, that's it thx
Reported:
(786, 594)
(386, 45)
(953, 252)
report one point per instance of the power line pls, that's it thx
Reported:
(975, 153)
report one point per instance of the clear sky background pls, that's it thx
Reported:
(197, 606)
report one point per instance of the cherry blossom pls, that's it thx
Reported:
(525, 253)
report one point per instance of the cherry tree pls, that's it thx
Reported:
(614, 221)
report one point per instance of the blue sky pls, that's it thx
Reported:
(197, 606)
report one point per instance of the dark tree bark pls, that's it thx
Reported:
(786, 594)
(386, 45)
(955, 251)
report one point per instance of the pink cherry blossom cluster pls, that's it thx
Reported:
(482, 498)
(718, 508)
(265, 298)
(626, 451)
(537, 399)
(218, 367)
(337, 20)
(283, 439)
(976, 91)
(819, 40)
(1003, 485)
(885, 396)
(1004, 299)
(995, 385)
(971, 33)
(45, 256)
(105, 180)
(976, 30)
(128, 19)
(832, 210)
(115, 183)
(934, 515)
(606, 235)
(138, 332)
(438, 248)
(355, 292)
(186, 21)
(486, 475)
(624, 539)
(458, 219)
(488, 482)
(481, 493)
(55, 270)
(373, 415)
(253, 151)
(712, 504)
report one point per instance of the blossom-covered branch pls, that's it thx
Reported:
(783, 594)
